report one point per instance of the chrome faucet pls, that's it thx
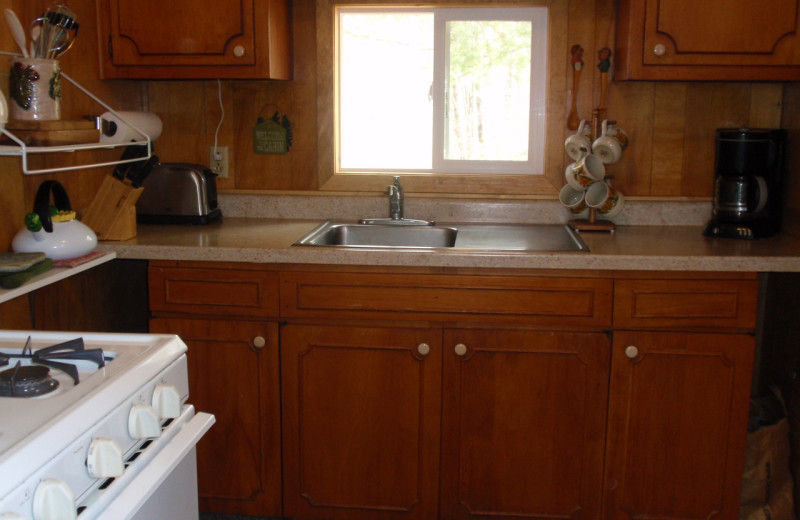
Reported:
(396, 210)
(396, 200)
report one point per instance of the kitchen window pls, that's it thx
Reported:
(441, 90)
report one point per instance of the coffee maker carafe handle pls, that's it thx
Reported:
(763, 193)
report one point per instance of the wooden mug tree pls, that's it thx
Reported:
(591, 223)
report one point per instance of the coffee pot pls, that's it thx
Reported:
(749, 183)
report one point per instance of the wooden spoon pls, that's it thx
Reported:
(604, 55)
(17, 31)
(573, 121)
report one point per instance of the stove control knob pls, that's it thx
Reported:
(11, 516)
(143, 422)
(167, 401)
(53, 500)
(104, 459)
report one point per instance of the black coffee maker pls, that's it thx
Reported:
(749, 183)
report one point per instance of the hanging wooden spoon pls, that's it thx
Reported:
(604, 55)
(577, 65)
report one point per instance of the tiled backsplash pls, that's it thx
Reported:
(635, 212)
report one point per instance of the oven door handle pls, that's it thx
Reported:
(137, 491)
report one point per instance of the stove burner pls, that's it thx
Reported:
(72, 350)
(27, 381)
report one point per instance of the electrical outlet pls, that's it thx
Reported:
(219, 163)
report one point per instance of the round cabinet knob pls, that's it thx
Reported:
(259, 342)
(631, 351)
(143, 422)
(460, 349)
(167, 401)
(53, 500)
(660, 49)
(238, 51)
(424, 349)
(11, 516)
(104, 459)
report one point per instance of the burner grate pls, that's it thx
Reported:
(58, 357)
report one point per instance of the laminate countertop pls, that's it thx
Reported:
(663, 248)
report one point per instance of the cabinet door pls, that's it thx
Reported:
(361, 411)
(194, 38)
(238, 460)
(709, 40)
(524, 419)
(678, 410)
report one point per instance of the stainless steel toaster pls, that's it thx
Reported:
(178, 193)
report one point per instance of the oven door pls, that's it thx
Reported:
(164, 481)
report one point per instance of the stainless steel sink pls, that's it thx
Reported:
(519, 237)
(468, 237)
(373, 235)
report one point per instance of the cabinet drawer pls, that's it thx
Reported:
(545, 301)
(228, 292)
(715, 304)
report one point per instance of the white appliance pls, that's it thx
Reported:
(111, 438)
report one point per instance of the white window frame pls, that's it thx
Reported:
(538, 16)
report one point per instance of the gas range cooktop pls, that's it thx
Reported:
(40, 372)
(34, 428)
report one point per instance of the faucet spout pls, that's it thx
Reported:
(396, 210)
(396, 200)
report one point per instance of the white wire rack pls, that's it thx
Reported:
(23, 150)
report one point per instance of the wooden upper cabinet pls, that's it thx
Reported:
(194, 39)
(719, 40)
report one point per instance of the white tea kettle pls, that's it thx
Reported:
(60, 236)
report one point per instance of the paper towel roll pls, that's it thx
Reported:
(115, 130)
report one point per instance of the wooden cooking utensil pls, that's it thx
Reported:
(604, 55)
(577, 65)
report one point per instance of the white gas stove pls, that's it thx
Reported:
(96, 426)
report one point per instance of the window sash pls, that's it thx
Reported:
(538, 17)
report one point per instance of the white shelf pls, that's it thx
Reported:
(22, 150)
(53, 275)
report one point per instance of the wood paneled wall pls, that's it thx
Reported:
(671, 124)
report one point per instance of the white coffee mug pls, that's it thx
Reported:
(572, 199)
(605, 199)
(578, 144)
(584, 171)
(609, 146)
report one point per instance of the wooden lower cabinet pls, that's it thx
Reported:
(238, 460)
(483, 397)
(524, 421)
(361, 410)
(678, 409)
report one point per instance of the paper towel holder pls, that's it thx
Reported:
(23, 150)
(121, 127)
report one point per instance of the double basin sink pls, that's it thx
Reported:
(468, 237)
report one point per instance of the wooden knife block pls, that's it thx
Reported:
(112, 213)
